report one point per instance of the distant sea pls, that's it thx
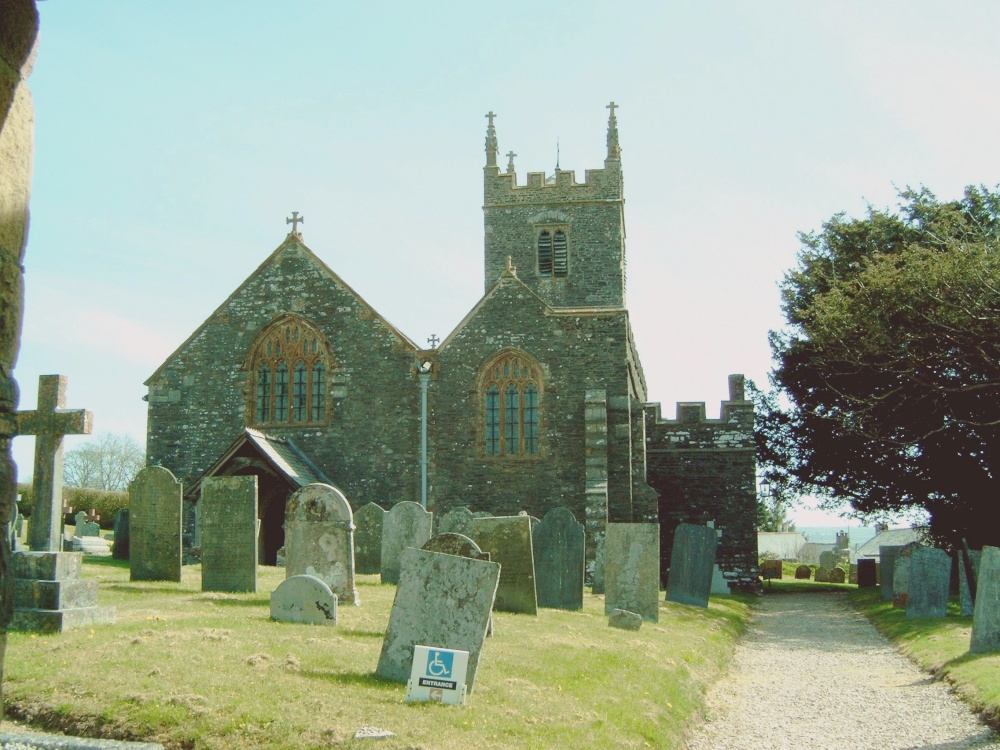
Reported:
(828, 534)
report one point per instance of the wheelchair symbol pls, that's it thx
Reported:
(439, 665)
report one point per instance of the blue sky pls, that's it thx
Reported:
(172, 140)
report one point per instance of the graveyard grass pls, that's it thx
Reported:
(940, 647)
(211, 670)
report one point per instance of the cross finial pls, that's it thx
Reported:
(614, 149)
(510, 161)
(612, 107)
(490, 115)
(433, 340)
(295, 220)
(491, 141)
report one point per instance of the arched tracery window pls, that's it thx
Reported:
(510, 386)
(289, 366)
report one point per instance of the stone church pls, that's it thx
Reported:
(535, 400)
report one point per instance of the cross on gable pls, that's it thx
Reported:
(49, 423)
(295, 220)
(433, 340)
(612, 107)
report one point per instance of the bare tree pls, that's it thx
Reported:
(108, 463)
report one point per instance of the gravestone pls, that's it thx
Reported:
(838, 575)
(803, 573)
(930, 573)
(827, 560)
(14, 526)
(368, 538)
(558, 543)
(50, 596)
(632, 569)
(406, 525)
(508, 540)
(822, 575)
(866, 573)
(85, 527)
(319, 539)
(597, 583)
(769, 569)
(720, 586)
(441, 600)
(965, 595)
(691, 559)
(901, 577)
(986, 619)
(123, 538)
(852, 573)
(306, 599)
(92, 545)
(156, 501)
(455, 544)
(456, 521)
(625, 620)
(887, 562)
(229, 534)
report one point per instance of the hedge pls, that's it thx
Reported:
(104, 503)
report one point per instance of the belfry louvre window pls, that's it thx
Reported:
(510, 385)
(553, 253)
(288, 364)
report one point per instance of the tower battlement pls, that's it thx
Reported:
(501, 188)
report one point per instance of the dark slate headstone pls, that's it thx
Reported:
(456, 521)
(455, 544)
(965, 595)
(691, 560)
(229, 534)
(508, 540)
(368, 538)
(558, 541)
(122, 536)
(406, 525)
(156, 500)
(304, 598)
(319, 539)
(986, 620)
(441, 600)
(930, 573)
(769, 569)
(887, 563)
(632, 569)
(866, 573)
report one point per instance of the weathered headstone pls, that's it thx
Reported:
(368, 538)
(986, 619)
(632, 569)
(156, 501)
(304, 598)
(558, 542)
(866, 573)
(508, 540)
(769, 569)
(49, 424)
(123, 537)
(965, 595)
(319, 539)
(930, 573)
(691, 560)
(838, 575)
(456, 521)
(597, 583)
(803, 572)
(85, 527)
(827, 560)
(92, 545)
(449, 543)
(229, 534)
(720, 586)
(887, 563)
(822, 575)
(441, 600)
(901, 577)
(625, 620)
(406, 525)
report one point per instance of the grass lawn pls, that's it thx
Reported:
(209, 670)
(941, 647)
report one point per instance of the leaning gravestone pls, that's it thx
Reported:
(122, 537)
(986, 620)
(866, 573)
(368, 538)
(508, 540)
(229, 534)
(927, 593)
(887, 562)
(965, 595)
(456, 521)
(443, 601)
(406, 525)
(156, 500)
(691, 560)
(632, 569)
(319, 539)
(558, 542)
(304, 599)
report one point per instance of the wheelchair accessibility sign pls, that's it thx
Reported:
(438, 674)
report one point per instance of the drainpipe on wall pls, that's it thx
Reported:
(425, 379)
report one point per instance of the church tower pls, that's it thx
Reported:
(566, 239)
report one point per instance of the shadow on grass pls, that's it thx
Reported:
(143, 588)
(228, 602)
(364, 679)
(106, 562)
(362, 633)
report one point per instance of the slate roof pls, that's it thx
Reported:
(890, 538)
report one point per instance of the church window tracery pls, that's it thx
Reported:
(289, 365)
(510, 385)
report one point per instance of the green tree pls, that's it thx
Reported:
(887, 377)
(108, 463)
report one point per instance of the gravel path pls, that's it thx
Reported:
(812, 673)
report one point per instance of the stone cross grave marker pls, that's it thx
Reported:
(229, 534)
(156, 501)
(986, 620)
(632, 569)
(406, 525)
(86, 527)
(508, 540)
(319, 539)
(49, 423)
(927, 593)
(558, 541)
(691, 561)
(368, 522)
(442, 600)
